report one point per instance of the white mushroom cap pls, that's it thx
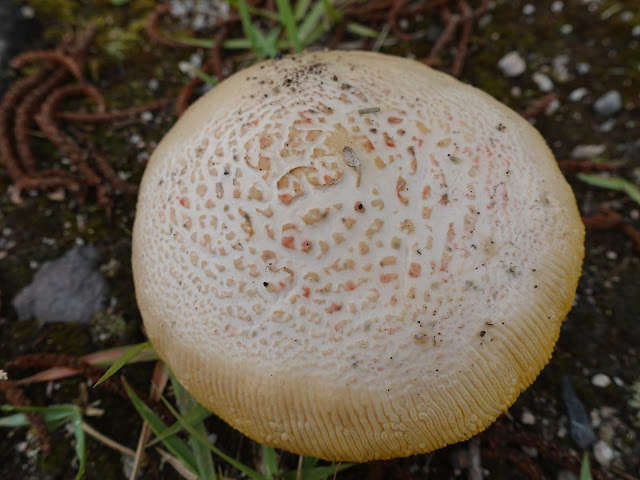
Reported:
(352, 256)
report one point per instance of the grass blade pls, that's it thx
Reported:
(237, 44)
(334, 15)
(301, 8)
(81, 446)
(318, 473)
(180, 467)
(14, 421)
(197, 414)
(196, 42)
(585, 467)
(309, 462)
(232, 461)
(205, 77)
(270, 42)
(103, 358)
(361, 30)
(128, 354)
(289, 22)
(255, 11)
(311, 21)
(186, 403)
(53, 417)
(270, 462)
(617, 184)
(176, 446)
(248, 28)
(313, 36)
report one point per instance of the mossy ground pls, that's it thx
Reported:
(601, 334)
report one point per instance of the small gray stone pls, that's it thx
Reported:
(609, 103)
(69, 289)
(608, 125)
(580, 425)
(603, 453)
(512, 64)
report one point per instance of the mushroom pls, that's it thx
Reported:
(351, 256)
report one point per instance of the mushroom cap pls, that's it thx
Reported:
(352, 256)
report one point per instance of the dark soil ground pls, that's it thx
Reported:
(577, 49)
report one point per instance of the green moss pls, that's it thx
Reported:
(63, 11)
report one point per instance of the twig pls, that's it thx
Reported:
(106, 440)
(587, 166)
(15, 396)
(539, 105)
(158, 384)
(609, 219)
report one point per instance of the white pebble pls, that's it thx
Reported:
(27, 12)
(611, 255)
(543, 82)
(185, 67)
(635, 31)
(561, 67)
(603, 453)
(57, 195)
(618, 381)
(557, 6)
(196, 59)
(583, 68)
(578, 94)
(587, 151)
(552, 107)
(146, 117)
(566, 29)
(512, 64)
(527, 418)
(601, 380)
(528, 9)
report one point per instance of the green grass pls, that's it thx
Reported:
(294, 27)
(585, 467)
(617, 184)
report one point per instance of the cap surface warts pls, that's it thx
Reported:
(366, 258)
